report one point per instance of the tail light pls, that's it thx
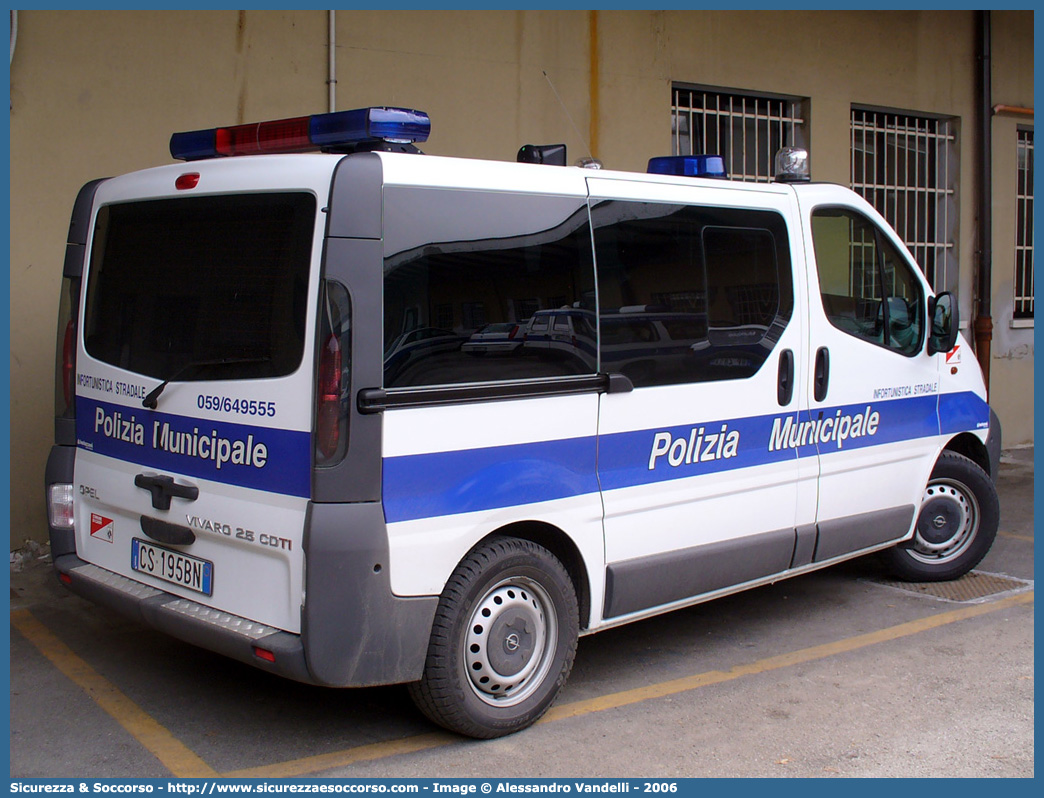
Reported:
(328, 393)
(513, 333)
(61, 508)
(332, 376)
(69, 363)
(65, 356)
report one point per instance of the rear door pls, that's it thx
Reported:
(194, 383)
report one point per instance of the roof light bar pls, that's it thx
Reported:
(340, 131)
(689, 166)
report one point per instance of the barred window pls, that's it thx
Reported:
(745, 129)
(1024, 226)
(906, 167)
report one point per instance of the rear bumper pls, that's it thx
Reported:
(367, 640)
(186, 620)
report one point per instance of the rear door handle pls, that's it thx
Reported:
(822, 376)
(166, 532)
(163, 488)
(785, 385)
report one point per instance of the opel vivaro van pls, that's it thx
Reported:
(274, 438)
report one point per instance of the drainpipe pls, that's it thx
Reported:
(331, 75)
(983, 320)
(593, 87)
(1017, 110)
(14, 33)
(14, 41)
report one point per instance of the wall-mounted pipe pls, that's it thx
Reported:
(331, 70)
(1019, 110)
(983, 319)
(14, 33)
(594, 84)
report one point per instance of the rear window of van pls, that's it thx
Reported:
(201, 288)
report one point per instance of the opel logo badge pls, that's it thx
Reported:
(939, 521)
(511, 642)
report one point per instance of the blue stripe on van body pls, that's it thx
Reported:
(263, 458)
(448, 483)
(962, 411)
(728, 444)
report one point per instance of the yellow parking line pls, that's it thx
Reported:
(182, 762)
(1027, 538)
(422, 742)
(155, 738)
(684, 684)
(349, 756)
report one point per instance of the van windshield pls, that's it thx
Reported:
(217, 280)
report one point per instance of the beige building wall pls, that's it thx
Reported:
(1011, 362)
(99, 93)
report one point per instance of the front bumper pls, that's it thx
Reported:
(993, 444)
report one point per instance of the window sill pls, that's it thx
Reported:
(1021, 324)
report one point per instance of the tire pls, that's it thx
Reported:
(956, 525)
(502, 643)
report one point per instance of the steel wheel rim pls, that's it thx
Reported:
(952, 499)
(510, 642)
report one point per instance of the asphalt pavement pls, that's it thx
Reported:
(840, 673)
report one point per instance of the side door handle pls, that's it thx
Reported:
(785, 385)
(822, 375)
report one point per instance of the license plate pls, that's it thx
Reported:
(172, 566)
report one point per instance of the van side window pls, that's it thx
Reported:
(868, 289)
(471, 283)
(689, 294)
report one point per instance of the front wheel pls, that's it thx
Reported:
(956, 524)
(502, 643)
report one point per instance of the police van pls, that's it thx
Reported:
(272, 443)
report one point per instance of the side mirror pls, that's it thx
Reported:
(942, 310)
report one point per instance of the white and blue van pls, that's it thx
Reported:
(272, 441)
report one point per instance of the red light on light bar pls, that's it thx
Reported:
(265, 654)
(282, 135)
(187, 181)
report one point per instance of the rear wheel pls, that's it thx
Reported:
(502, 643)
(956, 525)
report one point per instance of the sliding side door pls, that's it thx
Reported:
(698, 307)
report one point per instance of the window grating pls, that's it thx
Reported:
(906, 167)
(1024, 227)
(746, 130)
